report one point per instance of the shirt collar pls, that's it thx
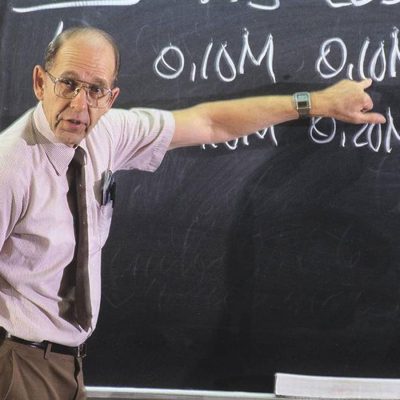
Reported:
(58, 153)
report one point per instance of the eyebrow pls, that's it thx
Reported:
(73, 75)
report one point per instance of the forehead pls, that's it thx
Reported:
(90, 58)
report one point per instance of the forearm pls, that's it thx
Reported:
(220, 121)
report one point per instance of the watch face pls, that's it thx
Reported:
(302, 98)
(302, 101)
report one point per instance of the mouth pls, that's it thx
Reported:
(75, 121)
(72, 123)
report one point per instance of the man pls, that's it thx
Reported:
(48, 304)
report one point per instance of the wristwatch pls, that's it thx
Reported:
(302, 103)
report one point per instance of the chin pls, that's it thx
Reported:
(72, 140)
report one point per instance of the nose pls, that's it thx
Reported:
(80, 101)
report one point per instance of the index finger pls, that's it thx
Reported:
(372, 118)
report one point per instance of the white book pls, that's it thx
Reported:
(328, 387)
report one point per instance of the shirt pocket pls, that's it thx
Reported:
(104, 215)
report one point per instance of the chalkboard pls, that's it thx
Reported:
(276, 252)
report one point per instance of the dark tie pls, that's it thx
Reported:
(83, 308)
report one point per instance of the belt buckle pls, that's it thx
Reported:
(81, 350)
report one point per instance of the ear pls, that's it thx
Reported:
(38, 81)
(115, 94)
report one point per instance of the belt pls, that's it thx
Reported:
(78, 351)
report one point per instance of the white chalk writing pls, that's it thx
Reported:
(234, 144)
(72, 4)
(170, 63)
(376, 137)
(368, 135)
(379, 66)
(262, 5)
(258, 5)
(358, 3)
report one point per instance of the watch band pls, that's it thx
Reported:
(302, 103)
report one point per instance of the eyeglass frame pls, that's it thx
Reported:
(80, 84)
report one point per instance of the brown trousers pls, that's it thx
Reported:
(27, 373)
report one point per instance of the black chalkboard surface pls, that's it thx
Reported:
(276, 252)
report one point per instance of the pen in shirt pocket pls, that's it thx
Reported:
(107, 188)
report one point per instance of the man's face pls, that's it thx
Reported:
(88, 59)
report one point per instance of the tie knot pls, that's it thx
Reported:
(79, 156)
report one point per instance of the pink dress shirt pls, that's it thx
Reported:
(36, 226)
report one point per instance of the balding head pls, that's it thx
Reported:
(88, 33)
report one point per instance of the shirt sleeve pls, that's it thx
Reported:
(139, 137)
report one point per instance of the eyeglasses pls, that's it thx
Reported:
(97, 96)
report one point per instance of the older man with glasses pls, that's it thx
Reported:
(56, 165)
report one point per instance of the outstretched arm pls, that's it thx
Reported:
(220, 121)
